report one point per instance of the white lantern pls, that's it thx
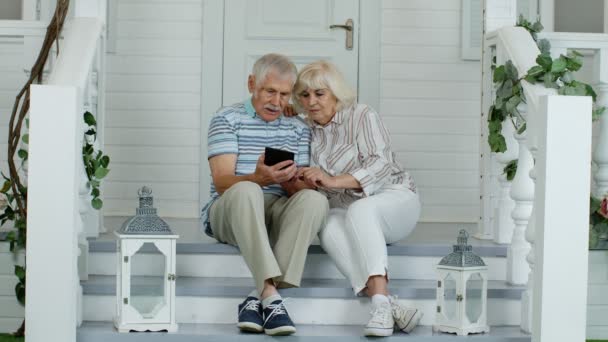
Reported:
(462, 291)
(145, 274)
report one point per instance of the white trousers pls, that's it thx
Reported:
(356, 237)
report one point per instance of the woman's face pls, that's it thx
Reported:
(320, 104)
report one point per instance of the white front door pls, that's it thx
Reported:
(298, 29)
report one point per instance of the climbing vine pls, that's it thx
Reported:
(555, 73)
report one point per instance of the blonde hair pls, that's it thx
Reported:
(323, 74)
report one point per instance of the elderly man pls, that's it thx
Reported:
(258, 207)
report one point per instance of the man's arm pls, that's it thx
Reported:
(223, 171)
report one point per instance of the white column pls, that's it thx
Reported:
(600, 154)
(522, 192)
(52, 276)
(503, 222)
(562, 219)
(527, 296)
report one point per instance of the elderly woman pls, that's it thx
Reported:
(373, 200)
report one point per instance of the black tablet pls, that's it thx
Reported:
(274, 156)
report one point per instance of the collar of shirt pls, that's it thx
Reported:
(338, 118)
(251, 112)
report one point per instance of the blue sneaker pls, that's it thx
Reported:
(250, 315)
(276, 320)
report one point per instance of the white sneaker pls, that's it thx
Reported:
(382, 322)
(405, 318)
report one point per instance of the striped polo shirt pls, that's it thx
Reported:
(238, 129)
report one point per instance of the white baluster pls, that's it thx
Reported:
(522, 192)
(600, 154)
(503, 222)
(527, 296)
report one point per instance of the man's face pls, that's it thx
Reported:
(271, 96)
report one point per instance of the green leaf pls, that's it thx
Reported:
(105, 161)
(101, 172)
(545, 61)
(97, 203)
(27, 123)
(497, 142)
(544, 46)
(20, 293)
(522, 128)
(549, 81)
(590, 92)
(510, 169)
(536, 71)
(495, 126)
(91, 131)
(26, 138)
(574, 63)
(22, 154)
(20, 272)
(537, 26)
(505, 90)
(499, 74)
(597, 112)
(95, 192)
(89, 119)
(511, 72)
(559, 65)
(6, 186)
(512, 103)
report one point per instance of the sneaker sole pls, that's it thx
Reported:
(413, 322)
(380, 332)
(250, 327)
(280, 331)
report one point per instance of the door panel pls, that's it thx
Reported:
(294, 28)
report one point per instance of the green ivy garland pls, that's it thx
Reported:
(553, 73)
(95, 163)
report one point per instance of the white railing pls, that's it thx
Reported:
(550, 191)
(594, 45)
(59, 208)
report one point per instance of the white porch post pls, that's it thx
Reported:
(52, 276)
(600, 155)
(503, 222)
(562, 219)
(497, 14)
(522, 192)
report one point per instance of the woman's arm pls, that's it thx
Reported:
(315, 177)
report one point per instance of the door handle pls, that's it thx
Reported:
(349, 28)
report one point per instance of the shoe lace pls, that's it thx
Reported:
(277, 309)
(398, 311)
(381, 314)
(251, 305)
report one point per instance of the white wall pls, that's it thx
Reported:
(597, 296)
(10, 9)
(11, 312)
(12, 79)
(430, 101)
(153, 106)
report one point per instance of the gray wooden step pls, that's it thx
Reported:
(104, 332)
(317, 301)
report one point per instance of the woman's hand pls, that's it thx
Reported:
(315, 177)
(289, 111)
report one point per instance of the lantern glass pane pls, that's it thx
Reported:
(148, 280)
(449, 297)
(474, 296)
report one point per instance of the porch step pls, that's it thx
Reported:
(317, 301)
(201, 256)
(103, 332)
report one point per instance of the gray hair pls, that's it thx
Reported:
(323, 74)
(274, 62)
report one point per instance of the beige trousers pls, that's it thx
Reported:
(272, 232)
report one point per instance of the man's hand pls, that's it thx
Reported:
(315, 177)
(266, 175)
(294, 185)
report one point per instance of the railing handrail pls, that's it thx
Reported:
(576, 40)
(77, 52)
(522, 50)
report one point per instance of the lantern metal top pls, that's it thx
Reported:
(145, 221)
(463, 255)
